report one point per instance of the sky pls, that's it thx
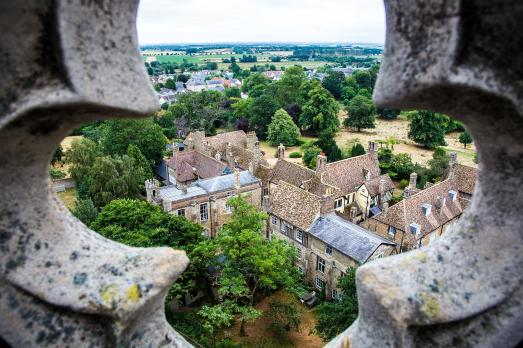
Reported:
(213, 21)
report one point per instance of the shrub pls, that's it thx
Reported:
(295, 154)
(282, 130)
(403, 183)
(56, 174)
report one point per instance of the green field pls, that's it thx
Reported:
(202, 59)
(305, 64)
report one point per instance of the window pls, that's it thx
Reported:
(228, 208)
(328, 250)
(414, 228)
(274, 220)
(299, 236)
(180, 212)
(265, 191)
(338, 204)
(453, 195)
(319, 283)
(426, 208)
(335, 294)
(300, 268)
(320, 265)
(299, 253)
(204, 215)
(392, 231)
(285, 228)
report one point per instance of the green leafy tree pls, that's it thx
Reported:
(251, 262)
(241, 108)
(334, 317)
(140, 224)
(170, 83)
(261, 112)
(282, 130)
(58, 153)
(215, 318)
(310, 155)
(401, 166)
(327, 143)
(288, 86)
(438, 164)
(85, 211)
(389, 114)
(428, 129)
(143, 133)
(284, 316)
(233, 92)
(357, 150)
(364, 79)
(235, 68)
(333, 82)
(81, 157)
(254, 80)
(320, 113)
(142, 165)
(305, 88)
(361, 113)
(465, 138)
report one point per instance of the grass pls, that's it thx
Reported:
(68, 198)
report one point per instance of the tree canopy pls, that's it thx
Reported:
(465, 138)
(320, 112)
(333, 82)
(361, 113)
(283, 130)
(428, 129)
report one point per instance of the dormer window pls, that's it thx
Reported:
(453, 195)
(426, 208)
(415, 229)
(338, 204)
(392, 231)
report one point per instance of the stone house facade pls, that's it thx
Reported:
(205, 201)
(424, 216)
(327, 244)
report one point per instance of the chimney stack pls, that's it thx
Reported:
(382, 186)
(413, 180)
(453, 158)
(183, 187)
(281, 152)
(385, 208)
(190, 143)
(237, 183)
(321, 163)
(407, 192)
(229, 156)
(352, 213)
(373, 150)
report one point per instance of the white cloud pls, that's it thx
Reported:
(198, 21)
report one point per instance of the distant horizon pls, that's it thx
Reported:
(225, 43)
(255, 21)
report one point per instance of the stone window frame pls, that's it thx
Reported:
(300, 236)
(229, 208)
(320, 264)
(391, 231)
(274, 220)
(180, 212)
(204, 212)
(319, 283)
(328, 249)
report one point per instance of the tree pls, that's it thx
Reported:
(282, 130)
(333, 82)
(320, 112)
(428, 129)
(388, 114)
(235, 68)
(401, 166)
(361, 113)
(58, 153)
(81, 157)
(364, 80)
(254, 80)
(284, 316)
(143, 133)
(85, 211)
(438, 164)
(215, 318)
(170, 83)
(140, 224)
(310, 154)
(334, 317)
(233, 92)
(251, 262)
(465, 138)
(303, 92)
(261, 112)
(328, 144)
(142, 165)
(288, 86)
(357, 150)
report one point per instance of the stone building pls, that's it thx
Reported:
(327, 244)
(352, 187)
(424, 215)
(205, 201)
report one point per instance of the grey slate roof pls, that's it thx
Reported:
(346, 237)
(225, 182)
(203, 187)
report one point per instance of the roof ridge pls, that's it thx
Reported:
(338, 220)
(347, 159)
(302, 190)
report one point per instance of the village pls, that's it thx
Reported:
(358, 185)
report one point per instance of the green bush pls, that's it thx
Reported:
(56, 174)
(403, 183)
(295, 154)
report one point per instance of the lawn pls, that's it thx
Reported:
(271, 151)
(260, 335)
(68, 197)
(286, 64)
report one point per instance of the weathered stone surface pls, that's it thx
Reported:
(462, 58)
(64, 63)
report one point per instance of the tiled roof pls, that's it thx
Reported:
(204, 166)
(291, 173)
(346, 237)
(263, 172)
(464, 177)
(219, 141)
(294, 205)
(410, 210)
(348, 174)
(373, 185)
